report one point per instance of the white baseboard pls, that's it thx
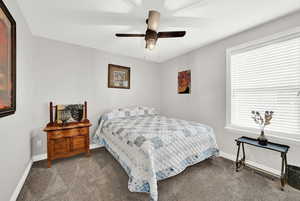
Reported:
(95, 146)
(253, 165)
(227, 156)
(39, 157)
(21, 182)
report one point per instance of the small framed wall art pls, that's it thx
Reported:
(7, 62)
(184, 82)
(118, 76)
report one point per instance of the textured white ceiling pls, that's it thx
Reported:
(93, 23)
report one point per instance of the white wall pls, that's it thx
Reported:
(15, 129)
(207, 101)
(65, 73)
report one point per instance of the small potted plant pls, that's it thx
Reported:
(262, 122)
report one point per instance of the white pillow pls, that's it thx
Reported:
(129, 112)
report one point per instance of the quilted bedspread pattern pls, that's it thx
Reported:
(153, 147)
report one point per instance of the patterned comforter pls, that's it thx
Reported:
(153, 147)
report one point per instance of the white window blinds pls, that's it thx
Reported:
(267, 77)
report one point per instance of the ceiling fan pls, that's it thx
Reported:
(151, 34)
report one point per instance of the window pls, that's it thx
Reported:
(265, 75)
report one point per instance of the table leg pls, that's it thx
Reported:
(286, 169)
(49, 163)
(244, 156)
(283, 171)
(237, 157)
(88, 145)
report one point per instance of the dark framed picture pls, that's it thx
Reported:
(118, 76)
(184, 82)
(7, 62)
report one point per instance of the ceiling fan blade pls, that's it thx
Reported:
(194, 4)
(171, 34)
(184, 22)
(99, 18)
(130, 35)
(153, 20)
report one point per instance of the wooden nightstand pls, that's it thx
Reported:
(65, 140)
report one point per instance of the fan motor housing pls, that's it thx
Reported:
(150, 34)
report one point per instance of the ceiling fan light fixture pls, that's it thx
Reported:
(150, 44)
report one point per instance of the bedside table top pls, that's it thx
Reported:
(270, 145)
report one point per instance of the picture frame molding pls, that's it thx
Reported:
(110, 71)
(12, 109)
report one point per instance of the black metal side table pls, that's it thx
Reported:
(283, 149)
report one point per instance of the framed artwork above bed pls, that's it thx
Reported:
(118, 76)
(184, 82)
(7, 62)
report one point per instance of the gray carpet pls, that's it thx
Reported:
(101, 178)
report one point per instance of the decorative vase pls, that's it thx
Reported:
(262, 140)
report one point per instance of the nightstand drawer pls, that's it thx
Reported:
(78, 142)
(55, 134)
(84, 131)
(71, 132)
(61, 146)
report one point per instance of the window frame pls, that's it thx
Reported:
(281, 36)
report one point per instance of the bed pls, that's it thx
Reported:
(151, 147)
